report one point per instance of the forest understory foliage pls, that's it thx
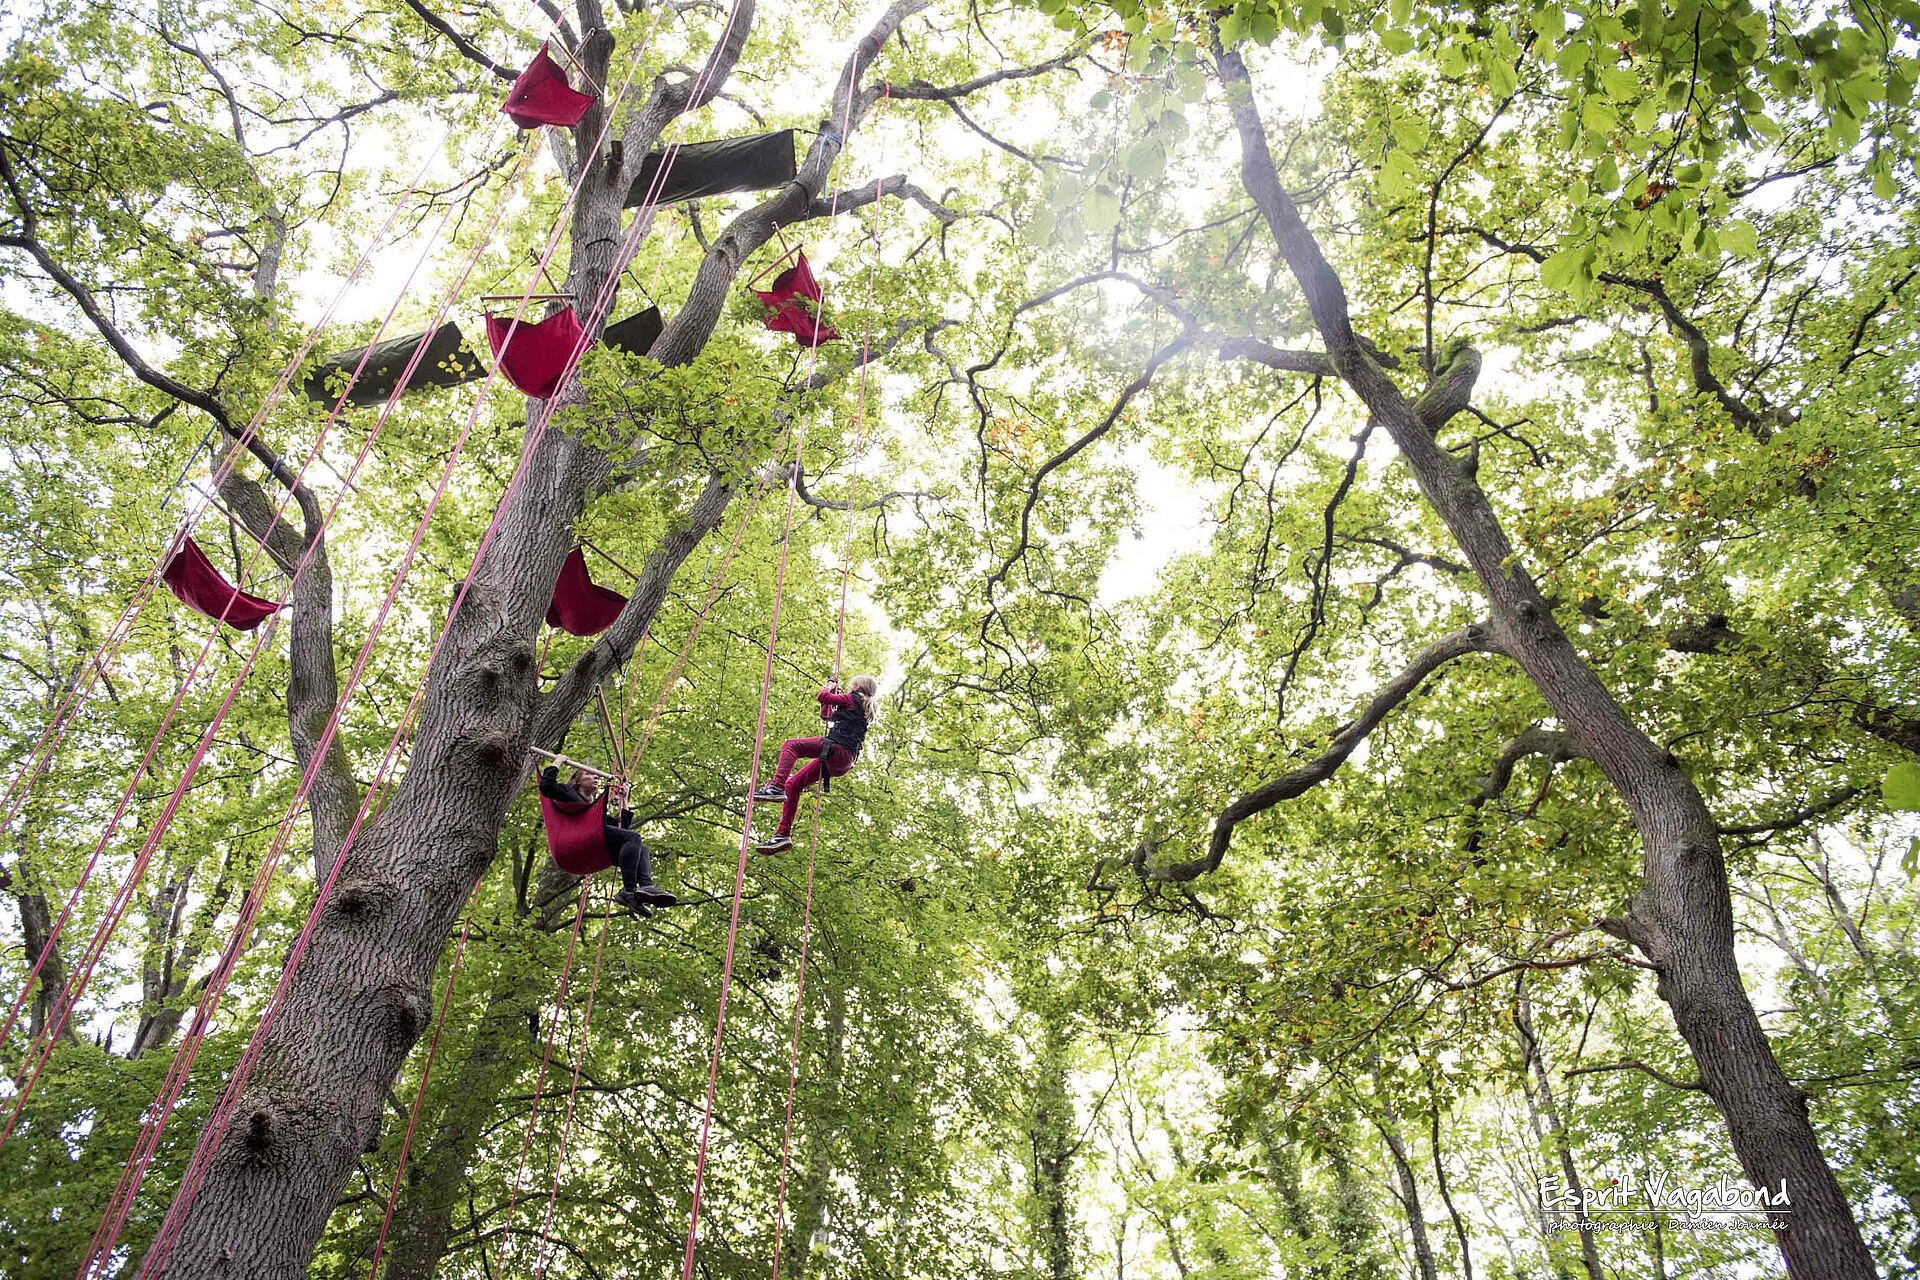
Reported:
(1386, 534)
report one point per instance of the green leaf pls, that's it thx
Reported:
(1619, 83)
(1901, 787)
(1039, 228)
(1560, 269)
(1147, 160)
(1409, 133)
(1883, 184)
(1101, 212)
(1740, 238)
(1397, 175)
(1502, 79)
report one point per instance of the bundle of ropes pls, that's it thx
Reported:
(538, 358)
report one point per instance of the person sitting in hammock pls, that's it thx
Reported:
(624, 845)
(847, 715)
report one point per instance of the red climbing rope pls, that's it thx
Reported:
(155, 1261)
(39, 764)
(185, 1055)
(813, 832)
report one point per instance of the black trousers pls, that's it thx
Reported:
(630, 853)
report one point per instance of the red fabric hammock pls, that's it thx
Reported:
(580, 607)
(192, 577)
(797, 281)
(787, 313)
(808, 329)
(576, 834)
(542, 96)
(540, 354)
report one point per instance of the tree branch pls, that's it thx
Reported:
(28, 239)
(468, 49)
(1672, 1082)
(1297, 782)
(848, 504)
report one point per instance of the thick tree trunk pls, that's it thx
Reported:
(1682, 917)
(362, 995)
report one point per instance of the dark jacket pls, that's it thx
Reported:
(846, 719)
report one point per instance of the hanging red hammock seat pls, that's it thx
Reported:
(580, 606)
(576, 834)
(786, 310)
(797, 281)
(540, 354)
(192, 577)
(807, 329)
(542, 96)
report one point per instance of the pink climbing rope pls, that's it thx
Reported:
(123, 898)
(813, 825)
(51, 736)
(715, 585)
(793, 1060)
(185, 1056)
(206, 648)
(740, 870)
(566, 1126)
(155, 1261)
(546, 1054)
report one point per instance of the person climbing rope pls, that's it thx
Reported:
(624, 845)
(848, 716)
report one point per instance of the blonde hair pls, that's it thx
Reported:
(869, 691)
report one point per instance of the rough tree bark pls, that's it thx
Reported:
(362, 996)
(1682, 917)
